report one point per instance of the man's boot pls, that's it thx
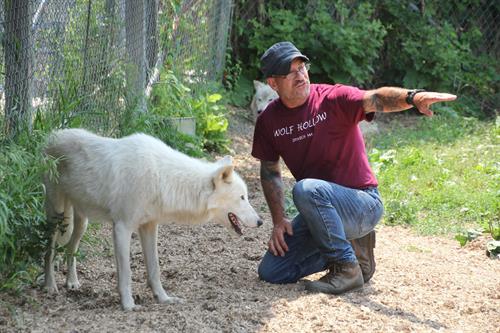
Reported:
(363, 248)
(342, 277)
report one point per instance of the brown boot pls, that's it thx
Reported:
(342, 277)
(363, 247)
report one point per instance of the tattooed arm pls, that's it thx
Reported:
(391, 99)
(273, 187)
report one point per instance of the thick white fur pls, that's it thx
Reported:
(135, 182)
(264, 95)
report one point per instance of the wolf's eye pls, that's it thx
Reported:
(242, 197)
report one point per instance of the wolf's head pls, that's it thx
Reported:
(229, 200)
(264, 95)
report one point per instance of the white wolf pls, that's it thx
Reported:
(135, 182)
(264, 95)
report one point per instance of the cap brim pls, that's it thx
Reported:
(284, 67)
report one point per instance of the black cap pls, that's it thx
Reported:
(277, 59)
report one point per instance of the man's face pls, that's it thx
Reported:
(293, 88)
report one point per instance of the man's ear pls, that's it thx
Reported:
(224, 172)
(271, 81)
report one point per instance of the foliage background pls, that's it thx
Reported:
(450, 46)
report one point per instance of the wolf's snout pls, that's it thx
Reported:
(259, 223)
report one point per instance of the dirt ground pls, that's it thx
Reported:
(422, 284)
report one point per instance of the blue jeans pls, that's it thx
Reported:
(329, 216)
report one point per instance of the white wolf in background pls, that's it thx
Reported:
(264, 95)
(135, 182)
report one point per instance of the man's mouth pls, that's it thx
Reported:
(233, 219)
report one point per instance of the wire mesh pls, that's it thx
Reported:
(100, 57)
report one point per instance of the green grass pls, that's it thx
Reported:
(439, 175)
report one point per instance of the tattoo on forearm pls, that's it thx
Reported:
(377, 103)
(386, 99)
(273, 187)
(391, 99)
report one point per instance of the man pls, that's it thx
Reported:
(314, 129)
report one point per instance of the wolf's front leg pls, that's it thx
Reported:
(121, 240)
(149, 233)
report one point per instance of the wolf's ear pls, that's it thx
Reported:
(224, 172)
(226, 160)
(257, 84)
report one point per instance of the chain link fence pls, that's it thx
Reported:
(101, 57)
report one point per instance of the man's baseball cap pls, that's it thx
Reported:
(277, 59)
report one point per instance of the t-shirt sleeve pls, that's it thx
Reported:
(350, 101)
(262, 148)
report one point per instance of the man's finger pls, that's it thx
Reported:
(443, 97)
(434, 97)
(428, 112)
(272, 248)
(279, 250)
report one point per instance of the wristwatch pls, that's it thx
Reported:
(411, 94)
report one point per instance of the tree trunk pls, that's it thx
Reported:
(136, 50)
(18, 60)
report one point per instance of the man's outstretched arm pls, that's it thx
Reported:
(392, 99)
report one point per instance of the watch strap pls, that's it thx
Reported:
(411, 94)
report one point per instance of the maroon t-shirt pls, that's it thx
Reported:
(320, 139)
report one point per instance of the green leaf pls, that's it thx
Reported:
(495, 233)
(214, 98)
(462, 239)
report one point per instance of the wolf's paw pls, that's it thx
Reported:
(73, 285)
(133, 307)
(130, 306)
(171, 300)
(51, 289)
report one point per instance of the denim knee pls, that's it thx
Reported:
(302, 191)
(267, 274)
(271, 271)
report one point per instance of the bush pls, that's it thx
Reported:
(342, 44)
(23, 228)
(429, 51)
(381, 43)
